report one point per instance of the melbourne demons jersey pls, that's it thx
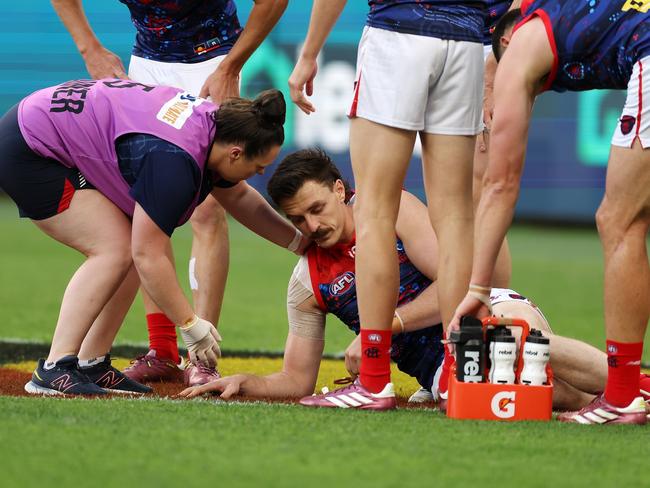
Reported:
(183, 31)
(78, 122)
(332, 275)
(595, 43)
(495, 10)
(444, 19)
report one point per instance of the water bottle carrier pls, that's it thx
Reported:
(490, 401)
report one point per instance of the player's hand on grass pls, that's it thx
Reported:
(301, 82)
(102, 63)
(353, 357)
(220, 85)
(225, 387)
(202, 341)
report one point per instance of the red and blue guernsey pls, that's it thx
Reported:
(595, 42)
(445, 19)
(78, 122)
(332, 274)
(183, 31)
(495, 10)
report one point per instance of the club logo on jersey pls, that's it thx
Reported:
(503, 404)
(342, 284)
(177, 110)
(575, 71)
(627, 124)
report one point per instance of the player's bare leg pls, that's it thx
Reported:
(574, 362)
(623, 220)
(568, 397)
(380, 157)
(98, 229)
(210, 258)
(100, 337)
(447, 167)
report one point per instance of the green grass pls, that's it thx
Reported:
(161, 443)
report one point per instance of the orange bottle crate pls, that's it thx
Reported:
(492, 401)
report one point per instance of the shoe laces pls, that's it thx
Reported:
(348, 380)
(205, 369)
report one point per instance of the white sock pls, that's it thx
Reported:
(47, 366)
(86, 363)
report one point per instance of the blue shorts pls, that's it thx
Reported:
(419, 353)
(40, 187)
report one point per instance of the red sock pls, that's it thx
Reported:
(443, 384)
(623, 372)
(644, 381)
(375, 359)
(162, 336)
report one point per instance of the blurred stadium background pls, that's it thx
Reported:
(569, 142)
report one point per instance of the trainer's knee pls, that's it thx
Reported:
(209, 218)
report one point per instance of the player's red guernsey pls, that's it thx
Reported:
(332, 274)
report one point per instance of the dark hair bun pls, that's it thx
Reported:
(270, 107)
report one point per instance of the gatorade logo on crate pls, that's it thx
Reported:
(503, 404)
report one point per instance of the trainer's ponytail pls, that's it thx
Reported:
(255, 124)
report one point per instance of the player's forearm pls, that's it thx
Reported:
(420, 313)
(250, 209)
(158, 277)
(263, 17)
(74, 19)
(324, 14)
(276, 385)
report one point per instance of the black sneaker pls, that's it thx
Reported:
(113, 380)
(64, 378)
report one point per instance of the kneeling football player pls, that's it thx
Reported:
(310, 190)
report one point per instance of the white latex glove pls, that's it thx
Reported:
(202, 341)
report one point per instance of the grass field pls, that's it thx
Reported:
(124, 442)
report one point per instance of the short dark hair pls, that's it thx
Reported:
(255, 124)
(300, 167)
(508, 20)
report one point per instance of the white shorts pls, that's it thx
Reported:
(487, 50)
(188, 76)
(635, 118)
(419, 83)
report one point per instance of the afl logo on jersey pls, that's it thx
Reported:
(342, 284)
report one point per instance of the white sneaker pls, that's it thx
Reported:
(421, 396)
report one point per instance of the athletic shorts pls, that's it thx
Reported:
(419, 354)
(635, 118)
(40, 187)
(419, 83)
(188, 76)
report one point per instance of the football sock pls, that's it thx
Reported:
(162, 336)
(86, 363)
(374, 372)
(644, 381)
(623, 372)
(443, 384)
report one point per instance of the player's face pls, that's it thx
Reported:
(233, 165)
(320, 212)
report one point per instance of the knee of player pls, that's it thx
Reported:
(209, 217)
(616, 222)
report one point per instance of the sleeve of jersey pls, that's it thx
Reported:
(309, 324)
(166, 186)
